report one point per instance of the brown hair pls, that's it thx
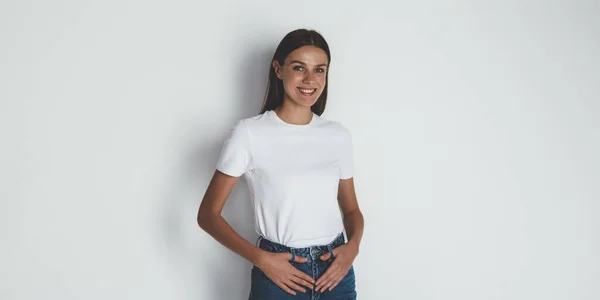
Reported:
(292, 41)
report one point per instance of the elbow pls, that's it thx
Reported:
(200, 220)
(353, 212)
(205, 218)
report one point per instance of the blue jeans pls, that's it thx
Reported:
(262, 288)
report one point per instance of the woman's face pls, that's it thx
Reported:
(303, 74)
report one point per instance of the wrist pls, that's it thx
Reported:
(353, 244)
(258, 257)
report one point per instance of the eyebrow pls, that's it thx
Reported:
(299, 62)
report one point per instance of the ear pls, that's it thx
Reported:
(277, 69)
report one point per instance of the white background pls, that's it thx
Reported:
(476, 130)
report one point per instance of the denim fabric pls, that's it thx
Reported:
(262, 288)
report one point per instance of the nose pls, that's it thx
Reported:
(309, 77)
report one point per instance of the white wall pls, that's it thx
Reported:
(475, 124)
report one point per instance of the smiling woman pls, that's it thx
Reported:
(301, 61)
(305, 72)
(299, 168)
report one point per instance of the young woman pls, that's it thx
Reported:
(299, 169)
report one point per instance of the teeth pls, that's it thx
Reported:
(307, 91)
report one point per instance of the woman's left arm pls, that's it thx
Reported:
(353, 218)
(354, 225)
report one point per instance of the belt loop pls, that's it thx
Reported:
(330, 249)
(293, 254)
(258, 240)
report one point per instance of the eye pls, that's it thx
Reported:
(298, 68)
(320, 70)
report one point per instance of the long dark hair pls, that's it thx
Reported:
(292, 41)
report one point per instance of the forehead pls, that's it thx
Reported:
(309, 55)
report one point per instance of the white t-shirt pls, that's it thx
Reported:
(293, 172)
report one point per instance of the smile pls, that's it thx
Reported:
(307, 92)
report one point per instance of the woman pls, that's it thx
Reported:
(299, 169)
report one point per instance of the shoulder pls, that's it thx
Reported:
(248, 123)
(342, 129)
(336, 127)
(254, 121)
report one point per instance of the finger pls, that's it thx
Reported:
(294, 286)
(326, 286)
(332, 282)
(284, 287)
(330, 271)
(335, 283)
(326, 281)
(327, 255)
(300, 259)
(303, 282)
(304, 276)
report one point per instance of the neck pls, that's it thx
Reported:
(294, 114)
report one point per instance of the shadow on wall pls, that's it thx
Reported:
(216, 272)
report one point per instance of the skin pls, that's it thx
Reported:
(305, 68)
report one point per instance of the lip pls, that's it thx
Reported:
(314, 90)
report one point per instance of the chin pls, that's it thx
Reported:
(306, 103)
(303, 101)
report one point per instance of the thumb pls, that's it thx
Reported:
(300, 259)
(325, 256)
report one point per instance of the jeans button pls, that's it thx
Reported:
(315, 251)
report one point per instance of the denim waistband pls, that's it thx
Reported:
(306, 251)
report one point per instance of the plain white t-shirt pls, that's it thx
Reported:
(293, 173)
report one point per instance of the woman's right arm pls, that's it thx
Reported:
(275, 265)
(210, 219)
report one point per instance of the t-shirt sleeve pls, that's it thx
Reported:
(346, 165)
(235, 157)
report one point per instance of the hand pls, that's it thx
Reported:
(278, 268)
(344, 257)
